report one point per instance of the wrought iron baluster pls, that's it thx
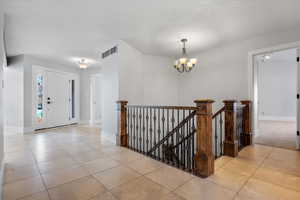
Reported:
(164, 130)
(154, 130)
(140, 129)
(147, 129)
(158, 131)
(144, 131)
(221, 134)
(151, 129)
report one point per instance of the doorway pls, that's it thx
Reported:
(54, 98)
(95, 99)
(276, 103)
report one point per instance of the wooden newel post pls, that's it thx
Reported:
(247, 122)
(204, 156)
(122, 137)
(230, 143)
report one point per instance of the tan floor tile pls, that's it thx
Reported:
(169, 177)
(126, 157)
(140, 189)
(59, 177)
(100, 165)
(104, 196)
(22, 188)
(145, 165)
(15, 173)
(116, 176)
(284, 167)
(256, 189)
(203, 189)
(89, 156)
(221, 161)
(80, 189)
(37, 196)
(57, 164)
(228, 179)
(241, 166)
(278, 178)
(290, 156)
(52, 155)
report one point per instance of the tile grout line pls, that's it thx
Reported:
(237, 193)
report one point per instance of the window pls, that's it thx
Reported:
(40, 98)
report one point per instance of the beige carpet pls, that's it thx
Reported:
(277, 133)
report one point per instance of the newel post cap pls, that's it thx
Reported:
(204, 101)
(231, 101)
(122, 102)
(246, 102)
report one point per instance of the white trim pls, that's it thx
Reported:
(13, 129)
(277, 118)
(2, 177)
(84, 122)
(95, 122)
(252, 76)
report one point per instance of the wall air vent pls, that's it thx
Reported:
(109, 52)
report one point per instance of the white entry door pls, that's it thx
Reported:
(298, 100)
(53, 98)
(57, 99)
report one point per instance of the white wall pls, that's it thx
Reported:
(110, 95)
(14, 95)
(2, 64)
(222, 73)
(146, 79)
(85, 93)
(277, 89)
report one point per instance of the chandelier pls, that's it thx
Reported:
(185, 64)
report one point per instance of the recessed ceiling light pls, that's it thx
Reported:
(83, 64)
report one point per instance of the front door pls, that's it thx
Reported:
(57, 99)
(53, 98)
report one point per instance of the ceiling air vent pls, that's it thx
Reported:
(109, 52)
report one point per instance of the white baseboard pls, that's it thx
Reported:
(2, 165)
(277, 118)
(13, 129)
(95, 122)
(17, 129)
(84, 122)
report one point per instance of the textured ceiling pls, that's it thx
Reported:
(65, 29)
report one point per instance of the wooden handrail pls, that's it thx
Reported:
(164, 107)
(218, 112)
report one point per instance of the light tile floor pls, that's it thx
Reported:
(78, 163)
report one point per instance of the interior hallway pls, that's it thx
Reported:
(77, 163)
(280, 134)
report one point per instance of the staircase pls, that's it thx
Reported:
(183, 136)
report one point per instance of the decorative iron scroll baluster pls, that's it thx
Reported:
(164, 133)
(147, 128)
(239, 127)
(218, 132)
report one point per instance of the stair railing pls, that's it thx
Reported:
(183, 136)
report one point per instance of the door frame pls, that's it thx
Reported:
(43, 70)
(92, 97)
(253, 81)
